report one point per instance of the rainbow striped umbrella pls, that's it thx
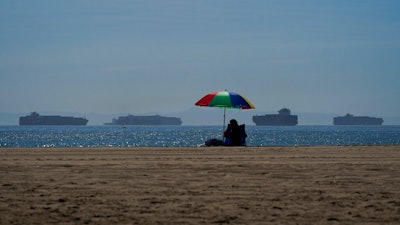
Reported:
(225, 99)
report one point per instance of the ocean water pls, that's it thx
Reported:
(178, 136)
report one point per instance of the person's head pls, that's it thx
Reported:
(233, 122)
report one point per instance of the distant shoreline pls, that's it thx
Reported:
(191, 117)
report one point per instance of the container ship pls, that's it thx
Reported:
(145, 120)
(349, 119)
(284, 118)
(36, 119)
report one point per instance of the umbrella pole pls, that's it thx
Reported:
(223, 126)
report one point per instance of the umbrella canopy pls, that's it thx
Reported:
(225, 99)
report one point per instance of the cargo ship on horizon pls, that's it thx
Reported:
(156, 120)
(35, 119)
(284, 118)
(349, 119)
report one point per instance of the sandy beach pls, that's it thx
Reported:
(216, 185)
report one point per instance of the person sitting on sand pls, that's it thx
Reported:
(235, 135)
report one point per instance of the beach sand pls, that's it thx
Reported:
(200, 185)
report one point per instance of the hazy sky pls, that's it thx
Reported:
(139, 56)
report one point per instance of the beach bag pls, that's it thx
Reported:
(214, 142)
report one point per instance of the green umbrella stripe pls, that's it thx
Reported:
(221, 99)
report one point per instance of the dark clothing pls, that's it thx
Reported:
(235, 135)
